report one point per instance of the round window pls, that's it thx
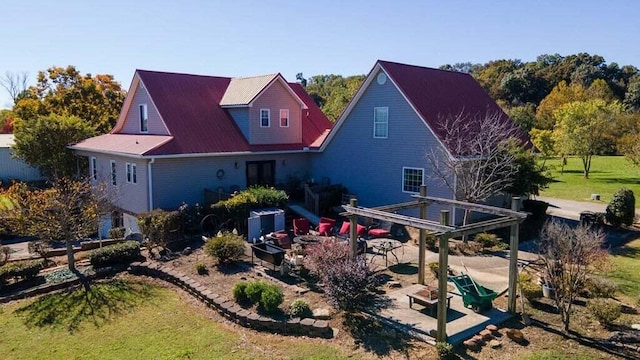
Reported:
(382, 78)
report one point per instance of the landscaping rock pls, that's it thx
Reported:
(478, 339)
(494, 344)
(471, 344)
(486, 334)
(515, 335)
(627, 337)
(322, 314)
(491, 328)
(635, 326)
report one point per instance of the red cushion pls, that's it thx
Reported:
(327, 220)
(361, 230)
(379, 232)
(325, 229)
(344, 229)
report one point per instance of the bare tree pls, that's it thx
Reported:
(14, 83)
(475, 162)
(570, 256)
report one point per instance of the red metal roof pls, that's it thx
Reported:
(190, 108)
(438, 93)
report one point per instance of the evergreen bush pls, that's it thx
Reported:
(227, 248)
(621, 209)
(605, 311)
(122, 253)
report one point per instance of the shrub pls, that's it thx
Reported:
(238, 206)
(5, 253)
(431, 241)
(159, 226)
(300, 309)
(121, 253)
(226, 248)
(201, 268)
(348, 284)
(605, 310)
(601, 287)
(531, 291)
(20, 269)
(271, 298)
(254, 290)
(239, 292)
(434, 266)
(116, 233)
(190, 217)
(487, 239)
(444, 349)
(621, 209)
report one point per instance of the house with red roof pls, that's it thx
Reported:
(179, 134)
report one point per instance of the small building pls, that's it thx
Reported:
(12, 168)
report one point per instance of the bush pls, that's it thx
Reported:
(431, 241)
(349, 284)
(226, 248)
(600, 287)
(531, 291)
(122, 253)
(300, 309)
(621, 209)
(20, 269)
(271, 298)
(239, 292)
(254, 290)
(487, 239)
(238, 206)
(159, 227)
(605, 310)
(444, 349)
(5, 253)
(201, 268)
(116, 233)
(434, 266)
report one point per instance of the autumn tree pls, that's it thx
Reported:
(628, 143)
(332, 93)
(42, 142)
(66, 92)
(67, 211)
(570, 256)
(6, 121)
(475, 164)
(561, 94)
(581, 127)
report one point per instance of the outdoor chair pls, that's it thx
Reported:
(300, 226)
(380, 230)
(325, 227)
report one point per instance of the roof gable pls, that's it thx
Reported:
(243, 91)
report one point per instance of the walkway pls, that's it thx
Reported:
(571, 209)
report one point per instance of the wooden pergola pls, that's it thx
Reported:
(505, 218)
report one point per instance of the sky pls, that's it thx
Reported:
(247, 38)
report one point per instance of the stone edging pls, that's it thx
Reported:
(229, 309)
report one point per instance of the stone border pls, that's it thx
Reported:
(229, 309)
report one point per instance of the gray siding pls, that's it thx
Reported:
(129, 197)
(276, 97)
(184, 180)
(132, 122)
(372, 168)
(241, 117)
(12, 168)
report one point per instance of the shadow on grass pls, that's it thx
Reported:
(96, 304)
(621, 181)
(374, 336)
(626, 251)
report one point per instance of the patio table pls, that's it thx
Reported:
(384, 247)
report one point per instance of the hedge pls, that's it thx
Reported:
(23, 269)
(124, 252)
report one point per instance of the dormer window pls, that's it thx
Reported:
(284, 117)
(265, 118)
(144, 118)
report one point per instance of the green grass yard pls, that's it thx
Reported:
(626, 269)
(132, 320)
(608, 174)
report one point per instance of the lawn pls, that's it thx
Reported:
(626, 269)
(608, 174)
(129, 319)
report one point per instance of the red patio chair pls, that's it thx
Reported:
(344, 229)
(300, 226)
(325, 227)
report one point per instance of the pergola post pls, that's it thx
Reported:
(443, 260)
(353, 230)
(514, 240)
(423, 238)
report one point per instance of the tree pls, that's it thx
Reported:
(68, 211)
(543, 141)
(477, 165)
(523, 115)
(332, 93)
(6, 121)
(64, 91)
(570, 256)
(560, 95)
(628, 135)
(14, 83)
(581, 128)
(529, 177)
(42, 142)
(632, 97)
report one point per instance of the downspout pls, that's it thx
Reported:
(150, 183)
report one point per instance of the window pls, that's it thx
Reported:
(265, 117)
(284, 117)
(93, 169)
(114, 180)
(144, 118)
(380, 122)
(132, 176)
(412, 178)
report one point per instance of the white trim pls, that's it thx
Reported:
(93, 171)
(365, 85)
(195, 155)
(132, 173)
(150, 183)
(143, 109)
(126, 107)
(411, 168)
(286, 86)
(113, 172)
(268, 118)
(375, 109)
(280, 118)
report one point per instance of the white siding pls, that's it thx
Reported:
(132, 122)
